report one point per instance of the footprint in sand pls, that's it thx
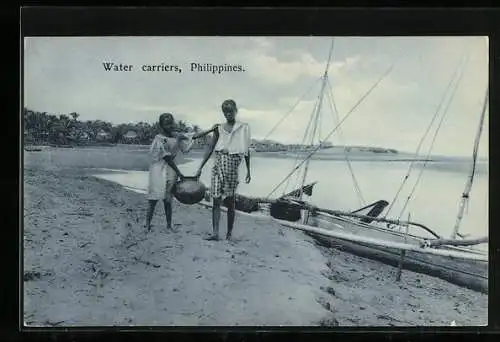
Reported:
(235, 241)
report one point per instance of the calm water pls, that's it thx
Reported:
(434, 203)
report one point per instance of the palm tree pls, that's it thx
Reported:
(44, 127)
(74, 116)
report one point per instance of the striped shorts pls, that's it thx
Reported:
(225, 175)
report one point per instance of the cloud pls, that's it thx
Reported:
(263, 64)
(279, 123)
(63, 75)
(262, 43)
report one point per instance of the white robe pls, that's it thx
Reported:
(161, 176)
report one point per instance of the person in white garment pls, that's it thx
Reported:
(163, 171)
(231, 144)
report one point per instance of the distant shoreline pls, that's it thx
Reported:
(320, 155)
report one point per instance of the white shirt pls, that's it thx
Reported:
(168, 146)
(235, 142)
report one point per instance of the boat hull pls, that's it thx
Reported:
(462, 271)
(469, 274)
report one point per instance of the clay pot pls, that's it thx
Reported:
(189, 191)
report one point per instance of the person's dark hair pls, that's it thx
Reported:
(165, 116)
(228, 103)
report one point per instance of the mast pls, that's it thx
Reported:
(468, 185)
(316, 115)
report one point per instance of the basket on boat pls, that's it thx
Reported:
(245, 204)
(284, 210)
(189, 191)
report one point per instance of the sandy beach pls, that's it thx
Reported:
(89, 262)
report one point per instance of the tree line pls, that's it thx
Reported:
(65, 129)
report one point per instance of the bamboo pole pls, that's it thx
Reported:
(471, 242)
(468, 185)
(403, 253)
(400, 266)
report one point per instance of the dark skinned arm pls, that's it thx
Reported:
(170, 161)
(247, 158)
(215, 138)
(247, 161)
(202, 134)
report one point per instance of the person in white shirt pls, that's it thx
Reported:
(231, 144)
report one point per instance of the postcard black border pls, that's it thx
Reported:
(84, 21)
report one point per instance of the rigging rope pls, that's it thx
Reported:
(306, 131)
(315, 116)
(334, 129)
(419, 146)
(325, 76)
(319, 131)
(434, 138)
(307, 136)
(333, 107)
(293, 107)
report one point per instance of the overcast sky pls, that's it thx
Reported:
(63, 75)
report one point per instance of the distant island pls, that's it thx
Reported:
(274, 146)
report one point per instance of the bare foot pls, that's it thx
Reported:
(212, 238)
(148, 226)
(228, 236)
